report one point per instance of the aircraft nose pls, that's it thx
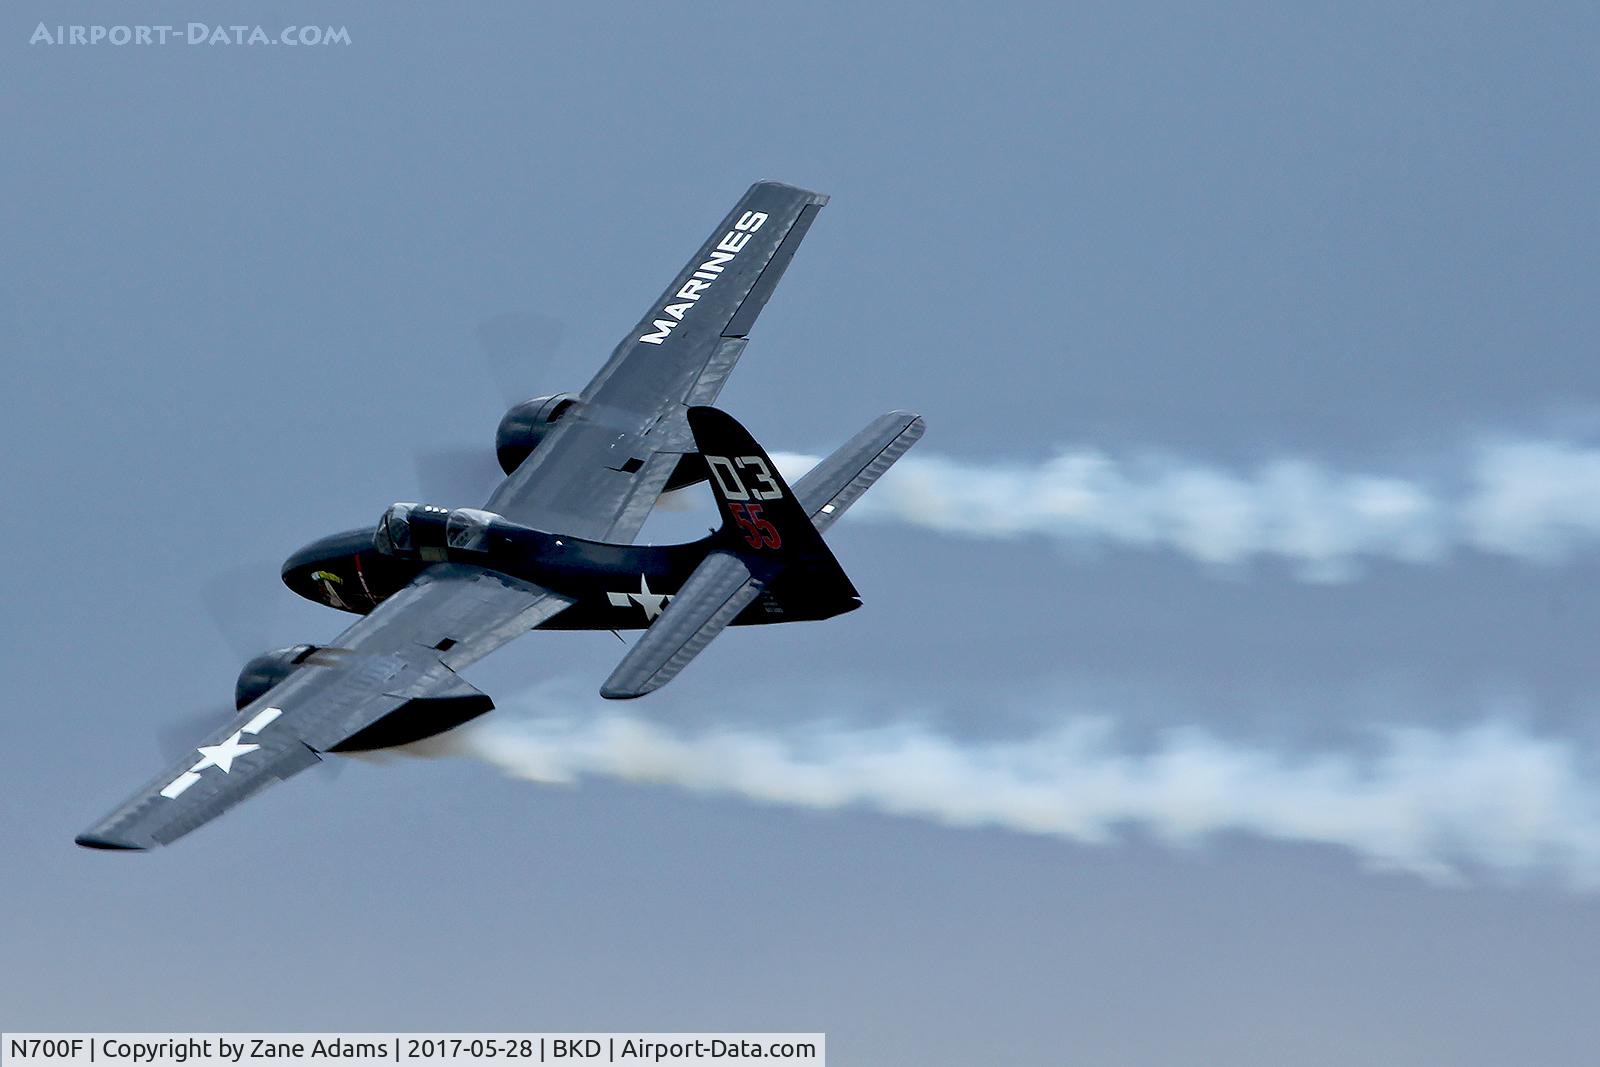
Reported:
(296, 573)
(301, 572)
(296, 570)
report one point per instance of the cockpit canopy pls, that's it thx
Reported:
(412, 530)
(432, 533)
(467, 530)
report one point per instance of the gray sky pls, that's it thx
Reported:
(241, 289)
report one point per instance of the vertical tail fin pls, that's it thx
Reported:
(763, 520)
(766, 537)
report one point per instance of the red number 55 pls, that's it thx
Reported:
(757, 530)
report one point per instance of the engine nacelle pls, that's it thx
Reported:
(525, 425)
(266, 671)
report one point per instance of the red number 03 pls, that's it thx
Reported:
(757, 531)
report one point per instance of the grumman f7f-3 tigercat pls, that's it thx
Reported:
(552, 548)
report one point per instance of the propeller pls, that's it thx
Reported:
(517, 350)
(178, 736)
(243, 602)
(246, 603)
(459, 476)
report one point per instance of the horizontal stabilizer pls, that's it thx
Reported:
(720, 588)
(834, 484)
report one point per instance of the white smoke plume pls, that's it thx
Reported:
(1490, 798)
(1532, 500)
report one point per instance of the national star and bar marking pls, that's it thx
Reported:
(223, 755)
(652, 603)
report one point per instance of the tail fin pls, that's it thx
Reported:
(767, 537)
(763, 521)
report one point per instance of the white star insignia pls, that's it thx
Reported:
(224, 754)
(221, 755)
(652, 603)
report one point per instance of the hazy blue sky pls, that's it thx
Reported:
(241, 288)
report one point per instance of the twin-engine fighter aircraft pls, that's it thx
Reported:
(438, 589)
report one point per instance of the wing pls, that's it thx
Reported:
(605, 462)
(236, 762)
(389, 679)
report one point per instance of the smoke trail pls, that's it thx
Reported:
(1490, 797)
(1533, 500)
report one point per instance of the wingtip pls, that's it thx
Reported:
(915, 425)
(819, 199)
(90, 839)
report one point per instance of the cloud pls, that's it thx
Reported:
(1439, 804)
(1531, 500)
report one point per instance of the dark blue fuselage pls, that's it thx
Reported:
(616, 587)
